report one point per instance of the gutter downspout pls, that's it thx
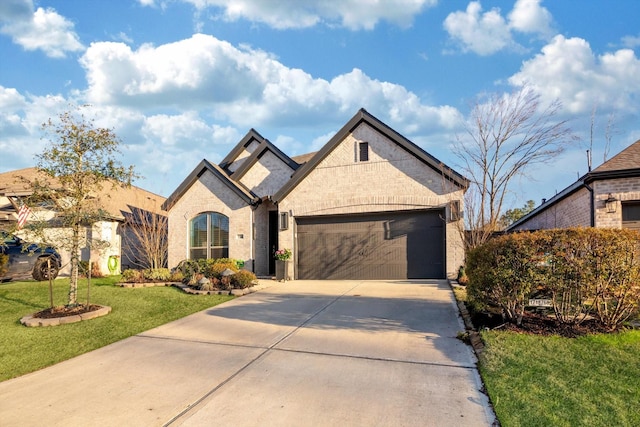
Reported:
(592, 200)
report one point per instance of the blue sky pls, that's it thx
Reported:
(183, 80)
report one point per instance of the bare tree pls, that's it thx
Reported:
(507, 134)
(147, 232)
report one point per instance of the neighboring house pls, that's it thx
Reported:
(118, 202)
(369, 205)
(608, 196)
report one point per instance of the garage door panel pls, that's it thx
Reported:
(375, 246)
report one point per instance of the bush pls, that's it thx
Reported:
(502, 273)
(132, 276)
(243, 279)
(176, 276)
(83, 268)
(217, 268)
(156, 274)
(207, 285)
(209, 268)
(585, 272)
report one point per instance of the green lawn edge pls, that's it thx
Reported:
(134, 310)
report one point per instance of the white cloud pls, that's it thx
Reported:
(244, 86)
(528, 16)
(484, 34)
(569, 70)
(631, 41)
(186, 129)
(42, 29)
(489, 32)
(285, 14)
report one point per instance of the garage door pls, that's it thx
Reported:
(407, 245)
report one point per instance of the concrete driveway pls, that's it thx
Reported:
(302, 353)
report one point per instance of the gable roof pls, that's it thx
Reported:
(264, 147)
(218, 172)
(117, 201)
(303, 158)
(362, 116)
(251, 136)
(629, 158)
(625, 164)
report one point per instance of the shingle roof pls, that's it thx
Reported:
(217, 171)
(629, 158)
(303, 158)
(116, 201)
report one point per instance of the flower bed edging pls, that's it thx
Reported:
(31, 321)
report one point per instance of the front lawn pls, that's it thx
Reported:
(554, 381)
(134, 310)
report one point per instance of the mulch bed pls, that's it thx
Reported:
(538, 324)
(63, 311)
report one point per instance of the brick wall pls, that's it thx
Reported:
(392, 180)
(209, 194)
(573, 211)
(267, 175)
(624, 190)
(237, 162)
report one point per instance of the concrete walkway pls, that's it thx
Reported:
(302, 353)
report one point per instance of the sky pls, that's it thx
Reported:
(179, 81)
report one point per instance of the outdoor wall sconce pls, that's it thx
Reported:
(611, 204)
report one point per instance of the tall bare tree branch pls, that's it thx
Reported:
(506, 135)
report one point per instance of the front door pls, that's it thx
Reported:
(273, 240)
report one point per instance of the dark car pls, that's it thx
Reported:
(28, 259)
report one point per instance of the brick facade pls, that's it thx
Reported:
(246, 187)
(391, 180)
(624, 190)
(209, 194)
(574, 210)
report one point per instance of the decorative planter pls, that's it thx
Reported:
(282, 267)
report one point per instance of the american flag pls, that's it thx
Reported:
(23, 213)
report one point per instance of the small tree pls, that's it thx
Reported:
(147, 232)
(512, 215)
(79, 161)
(507, 134)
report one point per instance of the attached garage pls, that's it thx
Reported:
(391, 245)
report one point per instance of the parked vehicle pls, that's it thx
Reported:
(28, 259)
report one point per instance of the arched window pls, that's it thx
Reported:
(209, 236)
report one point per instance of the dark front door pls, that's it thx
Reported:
(273, 240)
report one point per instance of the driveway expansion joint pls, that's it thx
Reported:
(255, 359)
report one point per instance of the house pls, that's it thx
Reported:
(608, 196)
(120, 204)
(369, 205)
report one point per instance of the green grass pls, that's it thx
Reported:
(134, 310)
(554, 381)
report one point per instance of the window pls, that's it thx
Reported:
(455, 213)
(364, 151)
(631, 215)
(209, 236)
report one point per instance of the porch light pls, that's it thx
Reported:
(611, 204)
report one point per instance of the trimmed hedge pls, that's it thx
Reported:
(586, 272)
